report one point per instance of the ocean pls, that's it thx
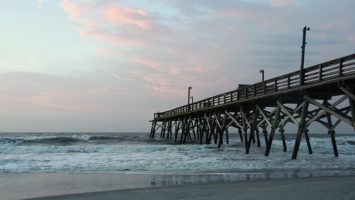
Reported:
(136, 153)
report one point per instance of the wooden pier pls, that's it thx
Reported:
(323, 93)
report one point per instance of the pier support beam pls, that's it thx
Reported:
(273, 129)
(334, 143)
(265, 135)
(152, 130)
(240, 132)
(351, 97)
(257, 137)
(308, 141)
(301, 127)
(253, 129)
(282, 132)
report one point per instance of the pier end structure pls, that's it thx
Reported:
(325, 95)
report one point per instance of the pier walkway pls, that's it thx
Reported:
(323, 93)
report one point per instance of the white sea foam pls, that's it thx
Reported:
(122, 155)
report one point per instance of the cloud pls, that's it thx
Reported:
(206, 44)
(124, 16)
(77, 12)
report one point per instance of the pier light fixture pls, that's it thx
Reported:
(262, 75)
(305, 29)
(188, 97)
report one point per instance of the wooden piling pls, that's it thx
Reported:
(300, 130)
(273, 129)
(308, 141)
(334, 144)
(282, 132)
(240, 132)
(152, 130)
(265, 135)
(253, 129)
(257, 137)
(351, 97)
(177, 128)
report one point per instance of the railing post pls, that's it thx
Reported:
(320, 72)
(264, 84)
(341, 67)
(275, 85)
(254, 90)
(246, 92)
(288, 81)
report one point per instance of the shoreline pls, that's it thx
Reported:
(15, 186)
(299, 188)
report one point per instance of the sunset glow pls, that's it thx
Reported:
(94, 65)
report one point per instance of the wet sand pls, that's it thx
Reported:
(171, 186)
(303, 188)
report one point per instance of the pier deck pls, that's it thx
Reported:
(323, 93)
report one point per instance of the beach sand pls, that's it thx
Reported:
(133, 186)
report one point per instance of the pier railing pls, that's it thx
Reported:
(316, 74)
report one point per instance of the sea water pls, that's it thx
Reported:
(136, 153)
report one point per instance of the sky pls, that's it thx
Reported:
(108, 65)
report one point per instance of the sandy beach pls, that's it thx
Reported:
(304, 188)
(137, 186)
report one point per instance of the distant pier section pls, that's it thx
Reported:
(323, 93)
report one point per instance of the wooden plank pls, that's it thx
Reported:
(244, 117)
(347, 93)
(263, 115)
(329, 110)
(232, 118)
(284, 110)
(321, 112)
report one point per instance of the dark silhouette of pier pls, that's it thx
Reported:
(323, 93)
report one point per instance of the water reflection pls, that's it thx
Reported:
(182, 179)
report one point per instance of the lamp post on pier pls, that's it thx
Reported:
(305, 29)
(262, 74)
(188, 97)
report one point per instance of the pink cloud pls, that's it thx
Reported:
(125, 16)
(113, 23)
(162, 86)
(76, 11)
(146, 62)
